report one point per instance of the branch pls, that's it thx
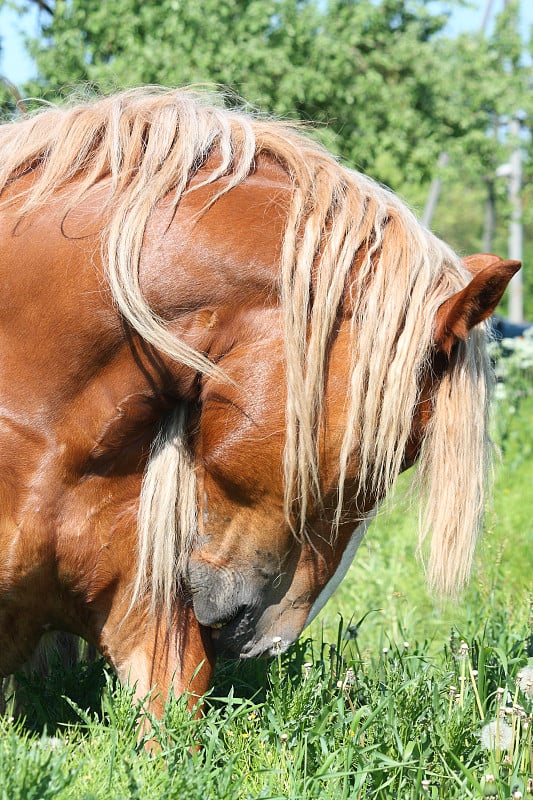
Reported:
(44, 6)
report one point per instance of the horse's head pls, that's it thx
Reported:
(255, 574)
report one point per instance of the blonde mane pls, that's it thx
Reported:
(149, 144)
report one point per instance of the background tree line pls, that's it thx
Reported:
(388, 89)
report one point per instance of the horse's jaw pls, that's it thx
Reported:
(342, 569)
(272, 645)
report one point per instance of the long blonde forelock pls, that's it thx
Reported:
(149, 144)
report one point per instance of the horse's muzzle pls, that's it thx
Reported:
(239, 611)
(223, 601)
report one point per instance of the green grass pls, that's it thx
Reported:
(362, 708)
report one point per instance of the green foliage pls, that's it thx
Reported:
(31, 769)
(392, 91)
(9, 98)
(334, 723)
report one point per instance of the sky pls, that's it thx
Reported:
(16, 65)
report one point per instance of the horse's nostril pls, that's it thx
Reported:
(219, 596)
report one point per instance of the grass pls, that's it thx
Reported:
(381, 700)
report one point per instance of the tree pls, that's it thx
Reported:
(492, 83)
(365, 70)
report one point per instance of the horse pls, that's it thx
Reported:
(219, 349)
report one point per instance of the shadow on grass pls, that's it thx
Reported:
(44, 696)
(41, 701)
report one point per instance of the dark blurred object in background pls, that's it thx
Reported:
(503, 329)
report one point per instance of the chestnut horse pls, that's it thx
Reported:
(219, 349)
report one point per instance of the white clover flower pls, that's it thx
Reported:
(496, 735)
(525, 681)
(463, 650)
(349, 679)
(51, 742)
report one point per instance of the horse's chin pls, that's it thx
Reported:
(265, 648)
(256, 648)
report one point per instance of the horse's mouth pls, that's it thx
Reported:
(240, 639)
(231, 637)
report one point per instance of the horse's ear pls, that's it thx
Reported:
(458, 315)
(479, 261)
